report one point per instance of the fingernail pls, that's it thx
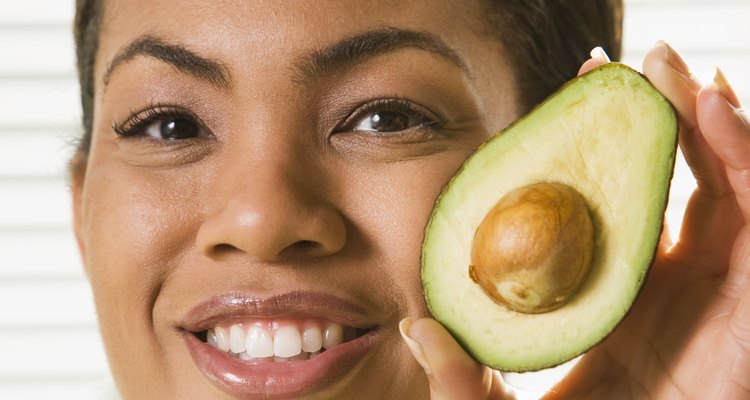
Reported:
(598, 52)
(674, 59)
(725, 88)
(414, 347)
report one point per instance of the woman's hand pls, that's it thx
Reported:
(688, 334)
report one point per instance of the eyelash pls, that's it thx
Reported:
(138, 121)
(396, 104)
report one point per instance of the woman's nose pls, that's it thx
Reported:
(271, 211)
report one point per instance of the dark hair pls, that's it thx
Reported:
(546, 39)
(86, 28)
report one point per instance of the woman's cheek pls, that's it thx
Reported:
(134, 231)
(400, 203)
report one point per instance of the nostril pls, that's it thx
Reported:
(223, 248)
(303, 248)
(299, 248)
(221, 251)
(305, 244)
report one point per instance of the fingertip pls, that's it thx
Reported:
(724, 126)
(709, 100)
(431, 336)
(414, 346)
(598, 57)
(425, 329)
(590, 64)
(668, 72)
(716, 102)
(662, 52)
(654, 58)
(655, 61)
(439, 348)
(453, 374)
(726, 90)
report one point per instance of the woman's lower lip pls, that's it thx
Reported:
(277, 380)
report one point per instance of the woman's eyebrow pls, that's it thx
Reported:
(361, 47)
(175, 55)
(340, 55)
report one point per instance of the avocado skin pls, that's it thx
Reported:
(508, 341)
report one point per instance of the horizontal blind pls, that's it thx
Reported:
(49, 345)
(49, 342)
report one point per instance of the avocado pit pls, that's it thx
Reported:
(533, 249)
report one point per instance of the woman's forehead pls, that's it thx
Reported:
(254, 33)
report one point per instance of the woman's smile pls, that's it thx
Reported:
(282, 345)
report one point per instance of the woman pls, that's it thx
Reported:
(252, 185)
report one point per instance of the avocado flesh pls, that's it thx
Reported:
(611, 136)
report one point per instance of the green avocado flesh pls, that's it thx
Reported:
(612, 137)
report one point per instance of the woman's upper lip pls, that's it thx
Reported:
(295, 304)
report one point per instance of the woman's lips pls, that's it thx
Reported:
(287, 316)
(230, 307)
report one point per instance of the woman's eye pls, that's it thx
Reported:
(173, 129)
(388, 121)
(163, 124)
(391, 116)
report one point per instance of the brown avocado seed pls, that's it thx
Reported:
(533, 249)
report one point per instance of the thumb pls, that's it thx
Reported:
(452, 374)
(598, 57)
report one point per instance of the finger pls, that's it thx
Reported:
(598, 57)
(452, 373)
(709, 225)
(727, 132)
(671, 75)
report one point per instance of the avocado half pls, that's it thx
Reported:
(612, 137)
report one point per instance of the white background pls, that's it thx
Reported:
(49, 346)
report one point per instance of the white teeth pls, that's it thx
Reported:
(312, 339)
(287, 341)
(222, 338)
(211, 338)
(237, 339)
(259, 342)
(334, 335)
(277, 341)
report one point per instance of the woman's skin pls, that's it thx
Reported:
(287, 192)
(286, 204)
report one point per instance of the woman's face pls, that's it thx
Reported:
(259, 178)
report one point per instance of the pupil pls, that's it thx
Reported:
(178, 128)
(390, 122)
